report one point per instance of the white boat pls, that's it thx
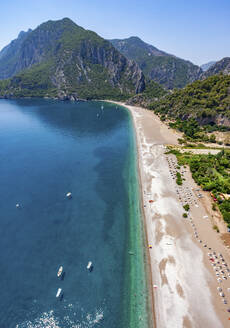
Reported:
(102, 107)
(60, 271)
(90, 266)
(17, 205)
(69, 195)
(58, 292)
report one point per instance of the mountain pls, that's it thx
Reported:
(222, 66)
(206, 66)
(207, 101)
(165, 69)
(61, 59)
(9, 54)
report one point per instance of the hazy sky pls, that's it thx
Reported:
(197, 30)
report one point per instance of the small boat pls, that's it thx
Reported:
(58, 292)
(90, 266)
(60, 271)
(69, 195)
(102, 107)
(17, 205)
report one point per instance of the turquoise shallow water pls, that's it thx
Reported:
(48, 148)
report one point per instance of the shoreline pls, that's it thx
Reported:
(148, 270)
(179, 265)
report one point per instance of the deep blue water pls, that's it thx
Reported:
(49, 148)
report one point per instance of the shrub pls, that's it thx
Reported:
(186, 207)
(212, 138)
(185, 215)
(216, 228)
(214, 207)
(179, 179)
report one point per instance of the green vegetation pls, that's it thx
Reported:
(185, 215)
(214, 207)
(186, 207)
(216, 228)
(178, 178)
(193, 132)
(64, 60)
(167, 70)
(194, 110)
(212, 173)
(153, 90)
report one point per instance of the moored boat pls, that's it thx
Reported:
(60, 271)
(69, 195)
(58, 292)
(90, 266)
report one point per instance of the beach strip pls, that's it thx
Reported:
(184, 284)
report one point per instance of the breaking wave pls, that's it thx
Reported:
(49, 320)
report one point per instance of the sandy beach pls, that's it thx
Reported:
(189, 261)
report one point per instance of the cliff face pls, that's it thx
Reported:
(206, 66)
(63, 60)
(9, 55)
(168, 70)
(222, 66)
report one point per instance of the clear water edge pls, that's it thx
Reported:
(135, 303)
(138, 277)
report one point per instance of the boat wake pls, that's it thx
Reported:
(48, 320)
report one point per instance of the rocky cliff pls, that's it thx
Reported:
(9, 56)
(222, 66)
(165, 69)
(61, 59)
(206, 66)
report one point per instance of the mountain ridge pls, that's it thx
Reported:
(221, 66)
(157, 65)
(206, 66)
(61, 59)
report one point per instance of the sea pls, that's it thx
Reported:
(49, 148)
